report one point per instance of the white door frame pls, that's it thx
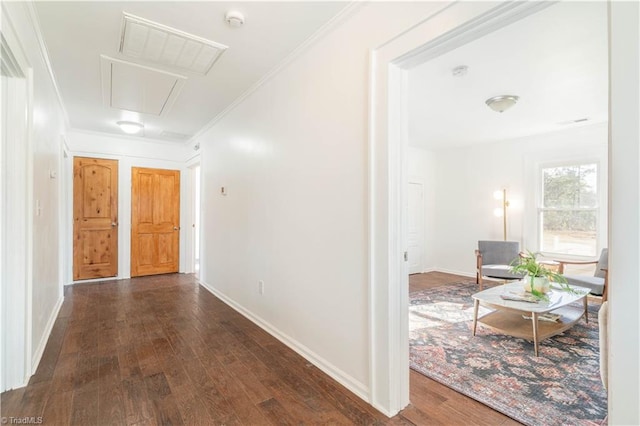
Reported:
(190, 165)
(452, 26)
(16, 216)
(65, 213)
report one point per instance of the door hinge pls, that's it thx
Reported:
(406, 256)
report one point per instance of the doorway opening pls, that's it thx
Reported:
(448, 28)
(475, 151)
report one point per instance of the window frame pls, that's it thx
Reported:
(598, 209)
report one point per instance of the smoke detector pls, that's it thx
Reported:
(234, 19)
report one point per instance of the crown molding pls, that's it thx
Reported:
(44, 54)
(338, 19)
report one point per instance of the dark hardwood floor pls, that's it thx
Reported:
(432, 403)
(163, 350)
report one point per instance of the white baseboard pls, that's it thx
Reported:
(95, 280)
(37, 356)
(454, 272)
(334, 372)
(384, 411)
(449, 271)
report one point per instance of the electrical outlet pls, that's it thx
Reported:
(261, 287)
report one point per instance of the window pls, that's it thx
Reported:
(568, 214)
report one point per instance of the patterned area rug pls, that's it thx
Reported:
(560, 387)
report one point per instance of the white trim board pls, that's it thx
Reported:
(17, 263)
(453, 272)
(328, 368)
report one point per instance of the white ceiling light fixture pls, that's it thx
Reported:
(502, 103)
(130, 127)
(234, 19)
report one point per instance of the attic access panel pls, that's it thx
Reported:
(137, 88)
(158, 44)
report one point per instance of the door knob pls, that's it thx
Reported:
(175, 228)
(113, 224)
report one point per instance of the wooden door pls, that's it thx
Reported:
(95, 218)
(155, 221)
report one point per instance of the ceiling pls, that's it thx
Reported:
(555, 60)
(83, 40)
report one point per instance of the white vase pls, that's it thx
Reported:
(540, 284)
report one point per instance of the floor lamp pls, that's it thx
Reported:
(502, 196)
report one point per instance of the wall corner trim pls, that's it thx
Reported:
(353, 385)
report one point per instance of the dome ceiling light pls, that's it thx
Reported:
(502, 103)
(130, 127)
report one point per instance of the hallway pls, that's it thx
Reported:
(161, 349)
(303, 163)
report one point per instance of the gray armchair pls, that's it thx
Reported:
(596, 283)
(494, 260)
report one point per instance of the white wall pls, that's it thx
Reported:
(130, 152)
(624, 226)
(293, 158)
(465, 179)
(422, 168)
(46, 127)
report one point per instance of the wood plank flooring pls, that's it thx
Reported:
(163, 350)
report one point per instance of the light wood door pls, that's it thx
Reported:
(155, 221)
(95, 218)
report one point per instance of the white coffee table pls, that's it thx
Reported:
(507, 316)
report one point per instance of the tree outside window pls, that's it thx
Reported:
(569, 211)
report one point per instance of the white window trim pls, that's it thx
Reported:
(600, 217)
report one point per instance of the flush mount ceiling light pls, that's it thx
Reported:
(130, 127)
(502, 103)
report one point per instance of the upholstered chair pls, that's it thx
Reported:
(494, 260)
(596, 283)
